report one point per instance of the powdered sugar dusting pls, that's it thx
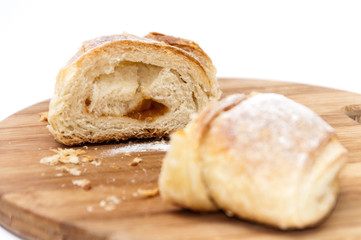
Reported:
(275, 127)
(155, 146)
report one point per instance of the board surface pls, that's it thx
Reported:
(38, 201)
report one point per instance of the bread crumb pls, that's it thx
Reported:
(96, 163)
(83, 183)
(58, 175)
(72, 159)
(113, 199)
(135, 161)
(109, 203)
(88, 159)
(90, 208)
(63, 156)
(52, 160)
(102, 203)
(148, 193)
(43, 116)
(72, 171)
(115, 167)
(127, 154)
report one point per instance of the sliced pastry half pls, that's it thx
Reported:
(123, 86)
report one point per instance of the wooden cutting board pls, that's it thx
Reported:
(39, 202)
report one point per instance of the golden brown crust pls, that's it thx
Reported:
(190, 47)
(99, 41)
(260, 157)
(185, 44)
(129, 39)
(201, 124)
(174, 41)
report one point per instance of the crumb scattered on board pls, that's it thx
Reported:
(76, 156)
(147, 193)
(135, 161)
(109, 203)
(70, 156)
(72, 171)
(88, 159)
(43, 116)
(63, 156)
(83, 183)
(96, 163)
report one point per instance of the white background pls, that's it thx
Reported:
(314, 42)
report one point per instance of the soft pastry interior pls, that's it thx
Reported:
(262, 157)
(122, 86)
(141, 95)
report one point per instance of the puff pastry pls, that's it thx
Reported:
(262, 157)
(123, 86)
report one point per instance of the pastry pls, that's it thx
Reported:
(261, 157)
(123, 86)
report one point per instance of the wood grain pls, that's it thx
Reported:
(36, 204)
